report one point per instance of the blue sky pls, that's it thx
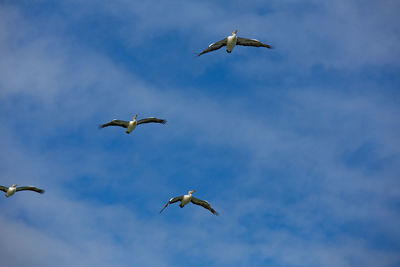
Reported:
(297, 147)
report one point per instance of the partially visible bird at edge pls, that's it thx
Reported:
(12, 189)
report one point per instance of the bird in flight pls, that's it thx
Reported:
(131, 125)
(189, 198)
(12, 189)
(231, 41)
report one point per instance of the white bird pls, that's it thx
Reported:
(131, 125)
(231, 41)
(12, 189)
(189, 198)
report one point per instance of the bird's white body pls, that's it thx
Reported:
(231, 42)
(186, 199)
(11, 191)
(131, 126)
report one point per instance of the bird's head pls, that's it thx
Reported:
(235, 32)
(14, 185)
(191, 192)
(134, 118)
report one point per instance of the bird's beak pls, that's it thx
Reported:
(235, 31)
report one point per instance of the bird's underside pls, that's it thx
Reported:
(194, 200)
(22, 188)
(125, 124)
(240, 41)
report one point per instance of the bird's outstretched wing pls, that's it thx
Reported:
(251, 42)
(3, 188)
(172, 200)
(31, 188)
(116, 122)
(151, 119)
(204, 204)
(214, 46)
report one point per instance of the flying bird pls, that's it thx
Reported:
(12, 189)
(189, 198)
(131, 125)
(233, 40)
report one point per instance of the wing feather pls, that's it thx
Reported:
(3, 188)
(204, 204)
(214, 46)
(116, 122)
(31, 188)
(172, 200)
(251, 42)
(151, 119)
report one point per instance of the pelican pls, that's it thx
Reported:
(233, 40)
(131, 125)
(12, 189)
(189, 198)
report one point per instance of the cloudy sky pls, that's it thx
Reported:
(298, 147)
